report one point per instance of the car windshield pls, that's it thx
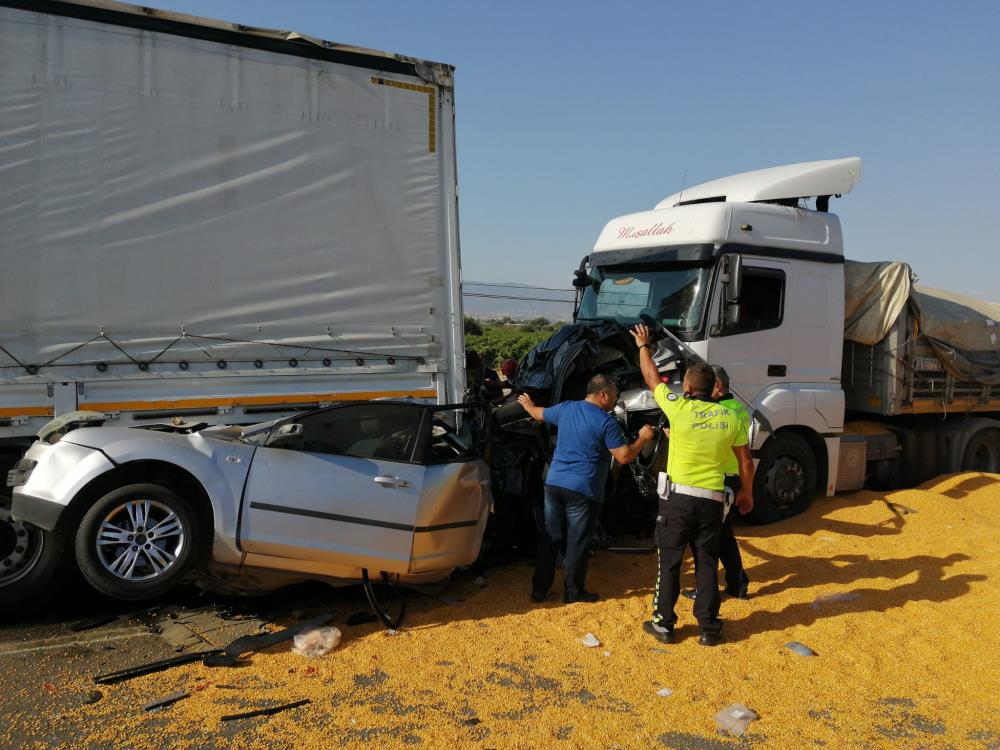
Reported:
(673, 295)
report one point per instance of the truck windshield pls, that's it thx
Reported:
(674, 296)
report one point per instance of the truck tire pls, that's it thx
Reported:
(785, 480)
(982, 452)
(137, 542)
(31, 560)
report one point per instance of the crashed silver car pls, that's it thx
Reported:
(396, 489)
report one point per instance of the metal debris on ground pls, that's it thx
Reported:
(840, 596)
(265, 711)
(317, 642)
(800, 648)
(734, 719)
(590, 641)
(161, 703)
(230, 655)
(109, 678)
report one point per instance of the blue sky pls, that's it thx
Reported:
(571, 113)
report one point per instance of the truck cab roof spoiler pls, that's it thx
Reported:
(787, 183)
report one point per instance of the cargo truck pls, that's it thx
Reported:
(207, 222)
(854, 372)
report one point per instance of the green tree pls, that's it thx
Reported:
(472, 327)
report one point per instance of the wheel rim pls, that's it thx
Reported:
(785, 481)
(20, 547)
(140, 540)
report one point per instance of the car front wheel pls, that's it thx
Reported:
(136, 542)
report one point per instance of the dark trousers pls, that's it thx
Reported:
(696, 521)
(729, 551)
(729, 556)
(569, 516)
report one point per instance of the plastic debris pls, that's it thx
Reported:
(266, 711)
(664, 692)
(167, 700)
(735, 718)
(318, 642)
(840, 596)
(590, 641)
(800, 648)
(93, 697)
(607, 653)
(128, 673)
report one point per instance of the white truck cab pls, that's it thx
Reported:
(750, 279)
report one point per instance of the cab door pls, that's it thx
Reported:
(344, 490)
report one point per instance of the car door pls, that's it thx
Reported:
(344, 490)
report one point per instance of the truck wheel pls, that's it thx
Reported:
(30, 561)
(982, 452)
(136, 542)
(785, 480)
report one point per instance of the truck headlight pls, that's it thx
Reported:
(20, 473)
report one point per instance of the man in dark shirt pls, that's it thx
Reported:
(588, 436)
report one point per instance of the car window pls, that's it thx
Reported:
(456, 435)
(372, 430)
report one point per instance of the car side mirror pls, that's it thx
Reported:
(286, 435)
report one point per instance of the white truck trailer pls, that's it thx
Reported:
(858, 373)
(209, 222)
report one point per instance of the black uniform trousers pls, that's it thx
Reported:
(697, 521)
(729, 551)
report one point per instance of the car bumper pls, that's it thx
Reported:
(35, 510)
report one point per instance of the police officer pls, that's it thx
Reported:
(702, 435)
(737, 580)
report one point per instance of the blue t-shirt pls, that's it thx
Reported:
(586, 434)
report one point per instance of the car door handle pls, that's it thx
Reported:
(391, 482)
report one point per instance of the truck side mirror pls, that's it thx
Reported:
(581, 278)
(732, 283)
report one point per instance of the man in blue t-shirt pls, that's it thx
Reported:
(588, 436)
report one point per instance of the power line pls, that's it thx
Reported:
(519, 286)
(507, 296)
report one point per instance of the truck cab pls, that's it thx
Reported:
(748, 276)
